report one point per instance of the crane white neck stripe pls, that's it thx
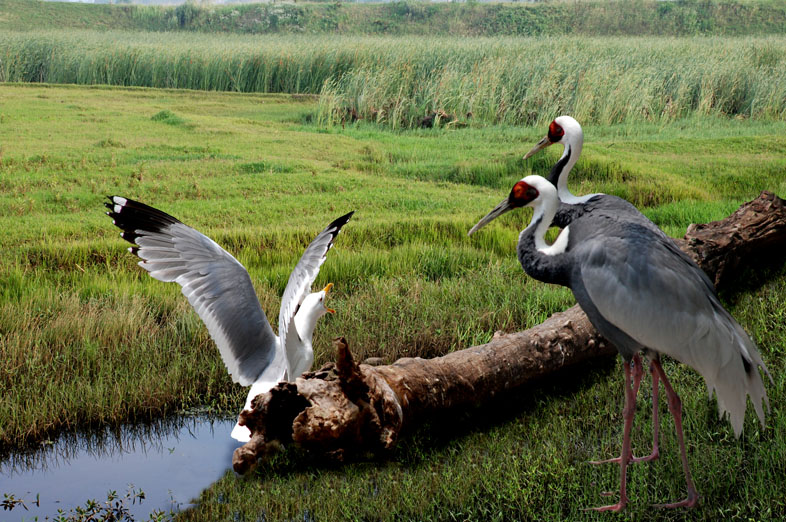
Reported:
(565, 164)
(570, 199)
(541, 220)
(558, 247)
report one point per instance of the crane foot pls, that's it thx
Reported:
(619, 506)
(690, 502)
(655, 455)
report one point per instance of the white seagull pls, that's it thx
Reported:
(220, 290)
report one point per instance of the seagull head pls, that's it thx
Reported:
(322, 295)
(311, 309)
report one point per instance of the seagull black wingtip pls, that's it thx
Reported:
(343, 220)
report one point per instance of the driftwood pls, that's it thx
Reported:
(349, 409)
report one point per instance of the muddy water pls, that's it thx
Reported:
(171, 461)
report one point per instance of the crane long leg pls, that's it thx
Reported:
(628, 413)
(675, 407)
(655, 419)
(637, 375)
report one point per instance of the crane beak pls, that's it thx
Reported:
(500, 209)
(326, 290)
(542, 144)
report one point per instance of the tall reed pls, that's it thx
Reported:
(606, 81)
(398, 81)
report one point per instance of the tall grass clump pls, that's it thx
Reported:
(179, 61)
(397, 82)
(526, 81)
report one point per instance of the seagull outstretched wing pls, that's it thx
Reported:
(304, 274)
(215, 283)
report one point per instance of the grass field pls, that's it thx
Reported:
(88, 338)
(479, 81)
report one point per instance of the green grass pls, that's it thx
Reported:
(23, 15)
(479, 81)
(526, 457)
(88, 338)
(603, 80)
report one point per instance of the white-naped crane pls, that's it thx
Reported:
(642, 295)
(566, 131)
(220, 290)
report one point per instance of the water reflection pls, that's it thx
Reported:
(172, 461)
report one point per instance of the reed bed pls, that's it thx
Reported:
(605, 81)
(177, 61)
(397, 82)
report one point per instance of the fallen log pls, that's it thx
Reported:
(348, 409)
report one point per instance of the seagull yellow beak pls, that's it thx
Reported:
(542, 144)
(326, 290)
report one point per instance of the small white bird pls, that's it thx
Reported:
(220, 290)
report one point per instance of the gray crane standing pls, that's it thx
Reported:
(644, 296)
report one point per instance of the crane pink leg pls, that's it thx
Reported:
(655, 420)
(628, 413)
(638, 372)
(675, 407)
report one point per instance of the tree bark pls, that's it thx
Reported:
(349, 409)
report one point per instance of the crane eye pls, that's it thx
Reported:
(556, 132)
(522, 193)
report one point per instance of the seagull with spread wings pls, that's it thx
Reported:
(220, 290)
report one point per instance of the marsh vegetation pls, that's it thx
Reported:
(686, 128)
(88, 338)
(478, 81)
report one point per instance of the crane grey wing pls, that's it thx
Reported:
(639, 284)
(662, 301)
(215, 283)
(633, 290)
(303, 276)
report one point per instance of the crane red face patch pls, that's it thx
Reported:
(556, 132)
(522, 193)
